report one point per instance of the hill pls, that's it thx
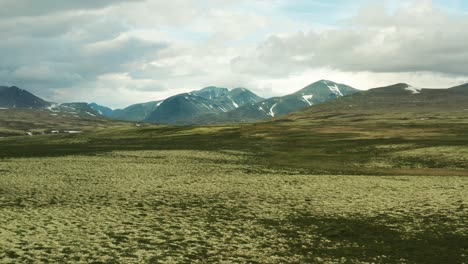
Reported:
(14, 97)
(33, 122)
(400, 97)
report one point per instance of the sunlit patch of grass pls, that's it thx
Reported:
(437, 156)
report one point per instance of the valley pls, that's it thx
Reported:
(377, 176)
(263, 132)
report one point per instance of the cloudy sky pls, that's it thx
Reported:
(119, 52)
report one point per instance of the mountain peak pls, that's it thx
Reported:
(14, 97)
(402, 85)
(11, 88)
(326, 82)
(211, 92)
(326, 87)
(241, 89)
(214, 88)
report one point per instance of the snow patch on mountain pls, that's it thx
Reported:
(207, 107)
(307, 98)
(234, 103)
(223, 109)
(335, 89)
(272, 110)
(53, 108)
(414, 90)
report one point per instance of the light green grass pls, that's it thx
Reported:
(204, 206)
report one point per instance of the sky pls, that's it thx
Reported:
(121, 52)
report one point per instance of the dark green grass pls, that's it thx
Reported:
(341, 143)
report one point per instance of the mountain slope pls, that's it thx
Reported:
(313, 94)
(136, 112)
(187, 107)
(180, 109)
(400, 98)
(77, 109)
(102, 110)
(14, 97)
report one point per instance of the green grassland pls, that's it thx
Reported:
(357, 143)
(204, 206)
(312, 187)
(17, 122)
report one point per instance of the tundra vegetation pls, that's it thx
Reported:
(361, 187)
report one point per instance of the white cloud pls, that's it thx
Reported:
(414, 39)
(150, 49)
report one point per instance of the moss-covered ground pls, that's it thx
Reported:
(359, 187)
(203, 206)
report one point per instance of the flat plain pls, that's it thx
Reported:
(199, 206)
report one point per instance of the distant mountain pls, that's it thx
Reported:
(401, 97)
(184, 108)
(76, 109)
(179, 109)
(14, 97)
(313, 94)
(102, 110)
(211, 92)
(208, 105)
(136, 112)
(221, 105)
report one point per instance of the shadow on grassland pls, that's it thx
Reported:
(371, 240)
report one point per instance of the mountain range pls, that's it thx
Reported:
(220, 105)
(16, 98)
(313, 94)
(208, 105)
(185, 108)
